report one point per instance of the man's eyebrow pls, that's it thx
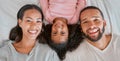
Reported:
(29, 17)
(84, 19)
(95, 17)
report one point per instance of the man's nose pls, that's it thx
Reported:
(92, 25)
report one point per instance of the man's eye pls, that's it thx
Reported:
(28, 20)
(85, 22)
(96, 20)
(54, 32)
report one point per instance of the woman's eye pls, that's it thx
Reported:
(39, 21)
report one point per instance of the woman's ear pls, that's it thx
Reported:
(19, 22)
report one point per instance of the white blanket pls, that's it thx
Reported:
(9, 9)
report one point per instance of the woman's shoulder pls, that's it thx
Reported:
(6, 45)
(48, 53)
(5, 49)
(44, 47)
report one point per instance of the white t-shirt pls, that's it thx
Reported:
(41, 52)
(87, 52)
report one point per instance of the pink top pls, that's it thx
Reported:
(62, 8)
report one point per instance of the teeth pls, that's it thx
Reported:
(32, 31)
(93, 30)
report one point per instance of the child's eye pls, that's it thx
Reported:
(54, 32)
(62, 33)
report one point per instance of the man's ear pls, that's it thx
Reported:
(80, 28)
(104, 22)
(19, 22)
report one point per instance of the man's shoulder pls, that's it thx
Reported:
(78, 54)
(44, 46)
(115, 36)
(81, 49)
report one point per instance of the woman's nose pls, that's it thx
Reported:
(33, 25)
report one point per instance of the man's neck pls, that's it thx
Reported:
(102, 43)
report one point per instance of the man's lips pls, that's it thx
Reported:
(92, 31)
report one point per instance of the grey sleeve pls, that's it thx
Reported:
(52, 56)
(3, 55)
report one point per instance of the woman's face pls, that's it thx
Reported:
(59, 31)
(31, 24)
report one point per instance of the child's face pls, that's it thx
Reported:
(31, 24)
(59, 31)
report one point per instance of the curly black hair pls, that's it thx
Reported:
(74, 39)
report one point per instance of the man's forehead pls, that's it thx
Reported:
(90, 11)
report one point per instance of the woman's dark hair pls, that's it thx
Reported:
(16, 33)
(74, 39)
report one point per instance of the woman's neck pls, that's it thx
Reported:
(24, 46)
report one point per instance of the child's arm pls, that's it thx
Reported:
(80, 5)
(44, 4)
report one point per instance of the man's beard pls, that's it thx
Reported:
(98, 37)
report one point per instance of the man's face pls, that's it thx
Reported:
(59, 31)
(92, 24)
